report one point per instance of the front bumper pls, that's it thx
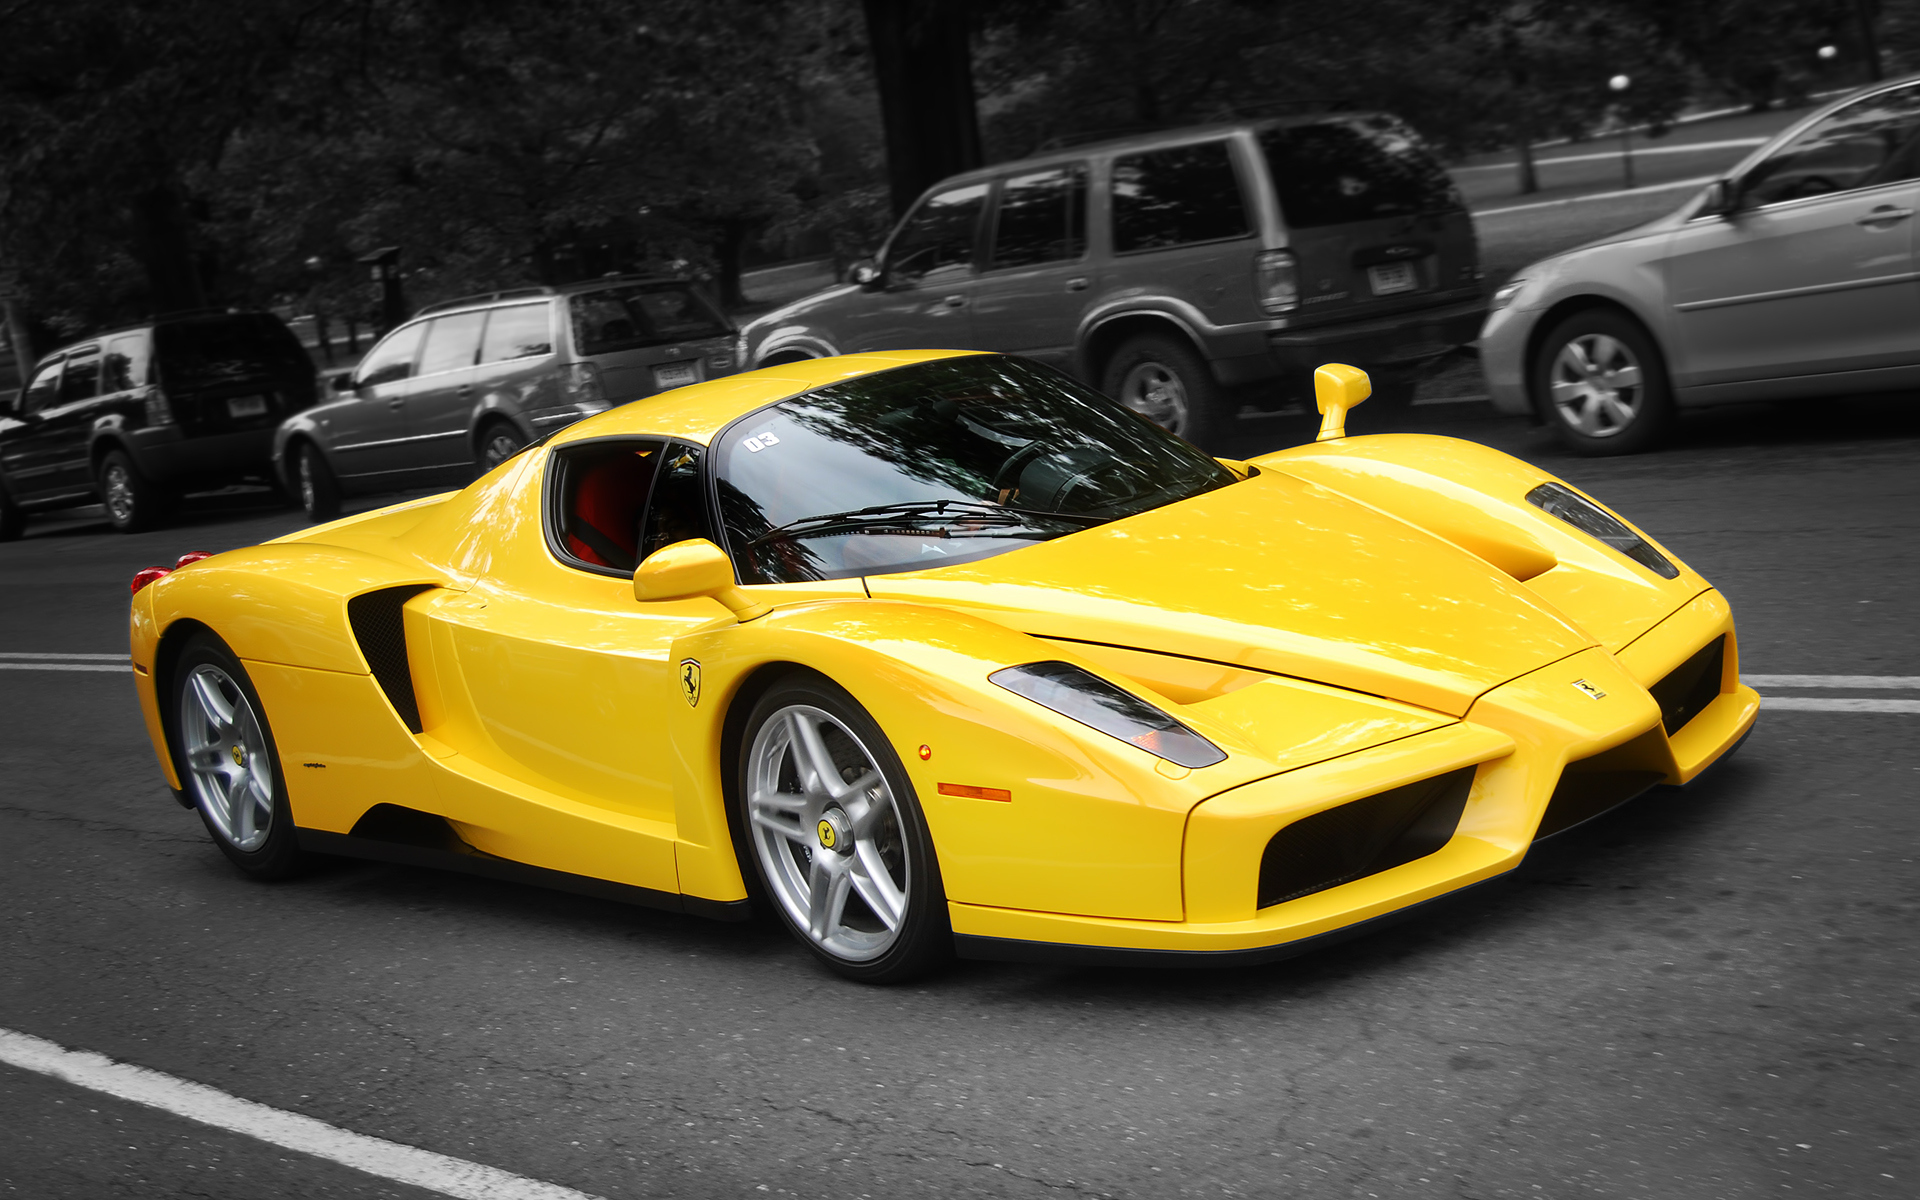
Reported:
(1503, 359)
(1545, 753)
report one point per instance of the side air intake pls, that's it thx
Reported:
(382, 637)
(1363, 837)
(1691, 686)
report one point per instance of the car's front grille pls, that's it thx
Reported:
(1362, 837)
(1591, 786)
(1691, 686)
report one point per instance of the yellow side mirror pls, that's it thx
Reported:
(1337, 387)
(695, 567)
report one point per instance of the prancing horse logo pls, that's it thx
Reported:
(690, 681)
(1589, 689)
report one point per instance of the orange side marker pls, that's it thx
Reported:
(970, 792)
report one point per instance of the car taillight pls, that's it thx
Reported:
(159, 412)
(150, 575)
(581, 385)
(1276, 281)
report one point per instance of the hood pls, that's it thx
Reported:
(1277, 575)
(787, 313)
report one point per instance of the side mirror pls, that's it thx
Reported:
(866, 273)
(1719, 200)
(695, 567)
(1337, 387)
(343, 382)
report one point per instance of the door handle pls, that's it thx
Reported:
(397, 403)
(1886, 214)
(465, 389)
(955, 301)
(1077, 284)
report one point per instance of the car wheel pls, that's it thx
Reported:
(837, 837)
(1164, 381)
(133, 502)
(1602, 384)
(224, 753)
(13, 519)
(318, 491)
(498, 442)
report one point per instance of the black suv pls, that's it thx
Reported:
(137, 416)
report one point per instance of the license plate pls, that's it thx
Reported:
(247, 406)
(1392, 277)
(673, 375)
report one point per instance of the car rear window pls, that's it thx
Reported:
(1354, 169)
(227, 349)
(1176, 197)
(626, 318)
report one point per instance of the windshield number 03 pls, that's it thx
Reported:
(757, 444)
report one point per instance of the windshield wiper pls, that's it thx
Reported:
(882, 516)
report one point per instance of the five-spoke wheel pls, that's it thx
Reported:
(1602, 383)
(1164, 381)
(227, 761)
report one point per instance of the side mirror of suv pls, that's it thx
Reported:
(1720, 199)
(343, 382)
(866, 273)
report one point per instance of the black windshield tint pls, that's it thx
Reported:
(1014, 440)
(240, 347)
(1354, 169)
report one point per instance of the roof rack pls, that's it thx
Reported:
(1081, 138)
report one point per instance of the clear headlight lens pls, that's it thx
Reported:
(1082, 696)
(1504, 294)
(1589, 518)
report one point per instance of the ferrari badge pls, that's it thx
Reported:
(1589, 689)
(690, 681)
(827, 834)
(239, 757)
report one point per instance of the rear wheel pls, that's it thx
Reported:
(13, 519)
(498, 442)
(224, 753)
(133, 502)
(1602, 384)
(1162, 379)
(318, 490)
(837, 837)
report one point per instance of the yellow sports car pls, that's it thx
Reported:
(935, 651)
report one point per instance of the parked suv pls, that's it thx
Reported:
(465, 384)
(134, 417)
(1184, 272)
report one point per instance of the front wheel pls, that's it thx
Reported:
(1602, 384)
(1164, 381)
(837, 837)
(224, 753)
(132, 501)
(498, 442)
(318, 490)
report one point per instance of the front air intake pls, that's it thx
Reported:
(1691, 686)
(1362, 837)
(382, 637)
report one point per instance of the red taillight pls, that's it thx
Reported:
(150, 575)
(192, 556)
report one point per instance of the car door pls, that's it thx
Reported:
(439, 398)
(33, 446)
(366, 431)
(927, 279)
(1033, 288)
(67, 424)
(1813, 271)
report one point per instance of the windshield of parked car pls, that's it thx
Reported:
(938, 462)
(1361, 168)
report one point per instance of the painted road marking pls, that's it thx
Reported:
(34, 656)
(125, 668)
(291, 1131)
(34, 660)
(1649, 189)
(1867, 704)
(1832, 681)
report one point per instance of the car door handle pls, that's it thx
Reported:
(1886, 214)
(955, 302)
(397, 403)
(465, 389)
(1077, 284)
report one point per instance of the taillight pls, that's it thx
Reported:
(150, 575)
(580, 383)
(159, 412)
(192, 556)
(1276, 281)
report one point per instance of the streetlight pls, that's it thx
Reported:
(1618, 84)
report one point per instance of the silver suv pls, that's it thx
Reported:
(465, 384)
(1185, 272)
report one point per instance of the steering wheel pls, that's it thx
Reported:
(1008, 476)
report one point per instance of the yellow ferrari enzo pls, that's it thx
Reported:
(934, 651)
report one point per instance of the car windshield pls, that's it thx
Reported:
(1355, 169)
(939, 462)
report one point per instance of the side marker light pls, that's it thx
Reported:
(926, 752)
(969, 792)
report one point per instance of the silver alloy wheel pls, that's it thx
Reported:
(1155, 391)
(229, 770)
(118, 492)
(308, 489)
(501, 445)
(1595, 382)
(827, 831)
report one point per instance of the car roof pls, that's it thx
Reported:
(699, 412)
(1150, 139)
(535, 290)
(179, 317)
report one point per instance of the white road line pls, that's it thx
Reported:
(1852, 704)
(210, 1106)
(125, 668)
(1696, 181)
(35, 655)
(1614, 155)
(1832, 681)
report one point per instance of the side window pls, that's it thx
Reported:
(518, 331)
(1176, 197)
(678, 510)
(1866, 143)
(82, 378)
(44, 391)
(599, 491)
(939, 234)
(393, 358)
(1042, 218)
(452, 342)
(125, 367)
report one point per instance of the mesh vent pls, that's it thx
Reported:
(378, 628)
(1691, 686)
(1363, 837)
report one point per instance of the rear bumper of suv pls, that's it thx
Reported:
(1402, 340)
(166, 455)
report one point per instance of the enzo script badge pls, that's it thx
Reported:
(1582, 684)
(690, 681)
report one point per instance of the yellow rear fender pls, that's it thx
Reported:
(1476, 498)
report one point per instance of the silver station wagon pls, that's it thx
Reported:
(465, 384)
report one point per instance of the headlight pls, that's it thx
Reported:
(1504, 294)
(1082, 696)
(1589, 518)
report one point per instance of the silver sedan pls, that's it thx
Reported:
(1792, 276)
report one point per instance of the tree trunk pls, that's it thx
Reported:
(1863, 11)
(1529, 179)
(923, 65)
(163, 241)
(727, 251)
(19, 339)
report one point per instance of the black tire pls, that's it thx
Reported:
(220, 763)
(1161, 378)
(1596, 412)
(1392, 398)
(13, 519)
(879, 845)
(132, 501)
(315, 488)
(497, 441)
